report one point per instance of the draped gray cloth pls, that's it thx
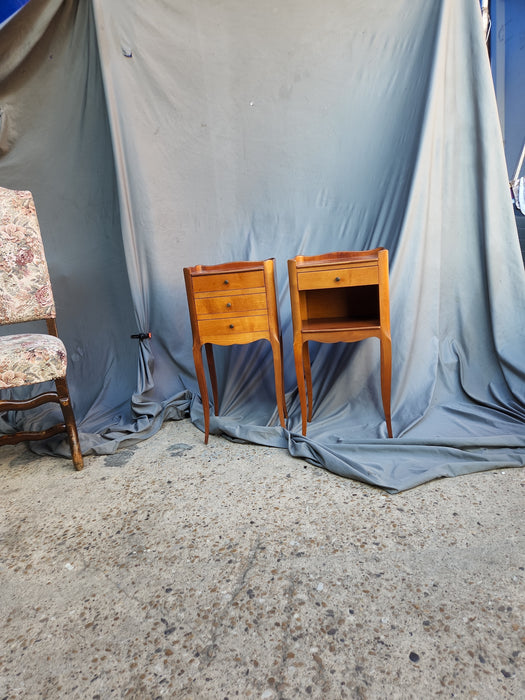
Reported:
(159, 135)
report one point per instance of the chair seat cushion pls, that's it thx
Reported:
(31, 358)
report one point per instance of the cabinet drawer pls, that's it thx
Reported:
(226, 281)
(337, 277)
(208, 328)
(230, 304)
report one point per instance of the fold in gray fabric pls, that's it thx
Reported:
(161, 135)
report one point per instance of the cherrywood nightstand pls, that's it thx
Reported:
(233, 304)
(340, 297)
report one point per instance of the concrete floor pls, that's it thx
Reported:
(179, 570)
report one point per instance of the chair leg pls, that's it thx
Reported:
(308, 374)
(201, 380)
(69, 419)
(386, 379)
(278, 375)
(298, 353)
(213, 376)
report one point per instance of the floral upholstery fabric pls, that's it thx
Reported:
(25, 295)
(25, 289)
(30, 358)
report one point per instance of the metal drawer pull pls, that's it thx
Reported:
(228, 305)
(337, 279)
(226, 282)
(231, 325)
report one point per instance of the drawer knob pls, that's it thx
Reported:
(337, 279)
(226, 282)
(228, 305)
(231, 325)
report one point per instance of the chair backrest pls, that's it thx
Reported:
(25, 287)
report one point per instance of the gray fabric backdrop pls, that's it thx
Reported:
(159, 135)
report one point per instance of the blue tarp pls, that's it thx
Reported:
(161, 137)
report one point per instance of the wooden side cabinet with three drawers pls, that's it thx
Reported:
(233, 304)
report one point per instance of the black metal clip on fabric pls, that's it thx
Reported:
(141, 336)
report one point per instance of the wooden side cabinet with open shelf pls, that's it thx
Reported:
(340, 297)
